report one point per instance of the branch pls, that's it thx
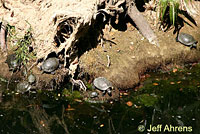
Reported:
(141, 22)
(3, 37)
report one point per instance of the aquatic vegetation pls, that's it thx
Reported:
(173, 100)
(68, 95)
(147, 100)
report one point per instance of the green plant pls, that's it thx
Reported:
(22, 43)
(172, 8)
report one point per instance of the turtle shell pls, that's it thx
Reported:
(23, 87)
(31, 78)
(12, 62)
(186, 39)
(94, 94)
(102, 83)
(50, 65)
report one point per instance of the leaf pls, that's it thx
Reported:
(155, 84)
(163, 7)
(129, 103)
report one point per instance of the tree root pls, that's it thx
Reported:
(3, 37)
(58, 26)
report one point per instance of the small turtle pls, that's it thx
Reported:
(31, 78)
(94, 94)
(50, 65)
(187, 40)
(103, 84)
(12, 62)
(23, 87)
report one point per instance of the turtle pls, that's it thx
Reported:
(23, 87)
(103, 84)
(31, 78)
(94, 94)
(187, 40)
(12, 62)
(50, 65)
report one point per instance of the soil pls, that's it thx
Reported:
(130, 56)
(133, 55)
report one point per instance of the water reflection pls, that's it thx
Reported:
(171, 101)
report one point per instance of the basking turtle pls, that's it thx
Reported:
(94, 94)
(50, 65)
(103, 84)
(23, 87)
(187, 40)
(12, 62)
(31, 78)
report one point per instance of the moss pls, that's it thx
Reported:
(147, 100)
(68, 95)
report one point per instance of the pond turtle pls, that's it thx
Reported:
(94, 94)
(12, 62)
(23, 87)
(103, 84)
(187, 40)
(31, 78)
(50, 65)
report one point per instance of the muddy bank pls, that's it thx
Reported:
(130, 57)
(133, 55)
(125, 57)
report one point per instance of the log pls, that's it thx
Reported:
(141, 22)
(3, 37)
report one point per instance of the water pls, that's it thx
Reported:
(165, 100)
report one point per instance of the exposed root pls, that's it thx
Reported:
(3, 37)
(78, 83)
(108, 58)
(58, 25)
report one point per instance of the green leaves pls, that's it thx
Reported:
(171, 8)
(22, 43)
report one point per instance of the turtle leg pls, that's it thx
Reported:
(192, 46)
(104, 92)
(109, 92)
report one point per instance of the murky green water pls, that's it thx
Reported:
(168, 99)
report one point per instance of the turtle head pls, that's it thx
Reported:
(194, 45)
(109, 91)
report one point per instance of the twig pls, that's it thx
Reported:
(35, 63)
(108, 58)
(80, 83)
(3, 4)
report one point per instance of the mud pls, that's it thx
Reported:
(132, 55)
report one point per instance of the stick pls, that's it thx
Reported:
(108, 58)
(3, 37)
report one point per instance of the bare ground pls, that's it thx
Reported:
(132, 55)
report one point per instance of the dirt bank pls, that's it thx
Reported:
(133, 55)
(125, 60)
